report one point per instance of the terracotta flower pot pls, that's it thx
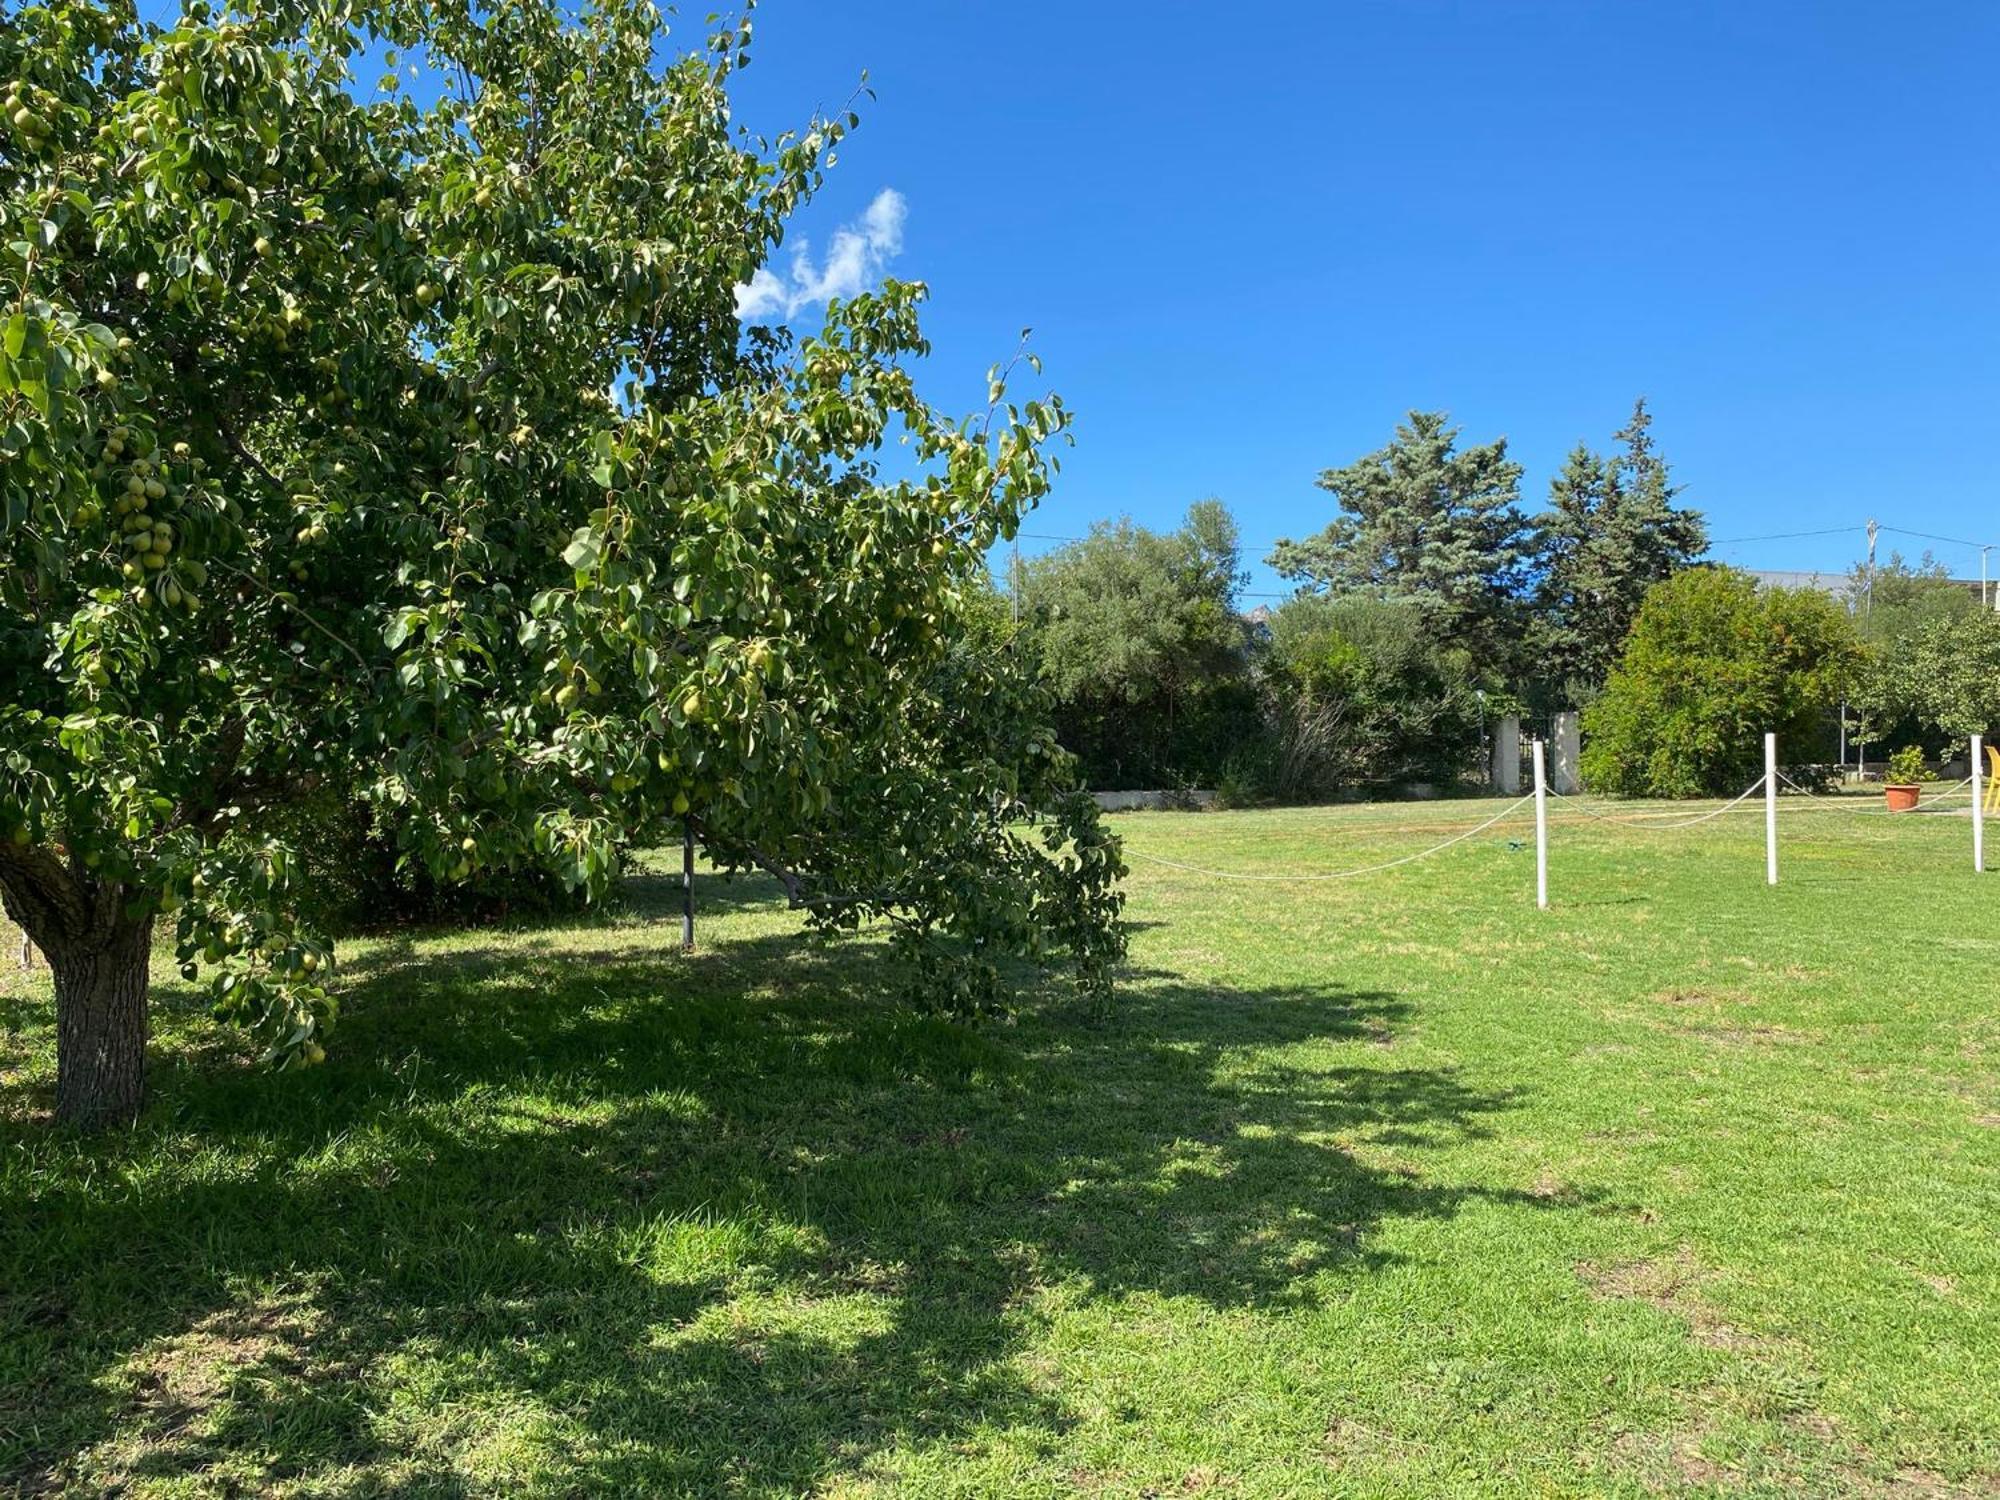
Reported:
(1903, 798)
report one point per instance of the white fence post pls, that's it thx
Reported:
(1770, 809)
(1541, 827)
(1978, 803)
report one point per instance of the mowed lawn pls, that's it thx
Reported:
(1386, 1186)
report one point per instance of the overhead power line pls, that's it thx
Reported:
(1721, 541)
(1950, 541)
(1782, 536)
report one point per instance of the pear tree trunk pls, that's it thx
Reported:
(101, 1025)
(98, 957)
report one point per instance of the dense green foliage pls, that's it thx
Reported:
(1944, 675)
(1427, 599)
(312, 485)
(1136, 634)
(1610, 533)
(1896, 599)
(1160, 682)
(1361, 693)
(1712, 664)
(1907, 767)
(352, 878)
(1928, 673)
(1424, 521)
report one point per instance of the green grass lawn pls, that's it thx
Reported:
(1390, 1186)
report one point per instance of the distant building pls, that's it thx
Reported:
(1837, 584)
(1842, 585)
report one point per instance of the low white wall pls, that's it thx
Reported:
(1153, 801)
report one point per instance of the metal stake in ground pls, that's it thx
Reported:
(1541, 827)
(687, 888)
(1770, 809)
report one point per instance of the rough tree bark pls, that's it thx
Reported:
(97, 955)
(101, 1026)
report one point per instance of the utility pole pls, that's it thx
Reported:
(1868, 602)
(1867, 610)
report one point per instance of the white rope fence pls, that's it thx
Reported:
(1318, 875)
(1644, 822)
(1816, 803)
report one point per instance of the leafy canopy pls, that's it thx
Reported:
(1893, 600)
(1712, 665)
(1610, 533)
(1923, 633)
(1425, 521)
(1944, 674)
(1360, 692)
(313, 475)
(1137, 635)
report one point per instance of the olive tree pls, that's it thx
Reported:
(414, 452)
(1137, 635)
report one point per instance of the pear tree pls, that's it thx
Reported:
(400, 442)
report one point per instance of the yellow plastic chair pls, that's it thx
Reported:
(1992, 779)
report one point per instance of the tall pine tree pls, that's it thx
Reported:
(1425, 521)
(1611, 532)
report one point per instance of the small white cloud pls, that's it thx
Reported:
(883, 223)
(854, 262)
(760, 296)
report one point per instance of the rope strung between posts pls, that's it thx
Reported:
(1816, 803)
(1641, 821)
(1316, 875)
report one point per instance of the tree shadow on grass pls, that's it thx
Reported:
(634, 1222)
(657, 894)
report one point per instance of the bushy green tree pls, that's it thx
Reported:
(1610, 533)
(1360, 693)
(1893, 600)
(310, 484)
(1424, 521)
(1943, 674)
(1907, 614)
(1137, 635)
(1711, 665)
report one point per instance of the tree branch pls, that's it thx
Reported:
(235, 445)
(41, 897)
(796, 894)
(299, 610)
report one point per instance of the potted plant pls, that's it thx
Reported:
(1907, 775)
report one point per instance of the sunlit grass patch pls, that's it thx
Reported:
(1384, 1186)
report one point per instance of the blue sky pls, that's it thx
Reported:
(1248, 239)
